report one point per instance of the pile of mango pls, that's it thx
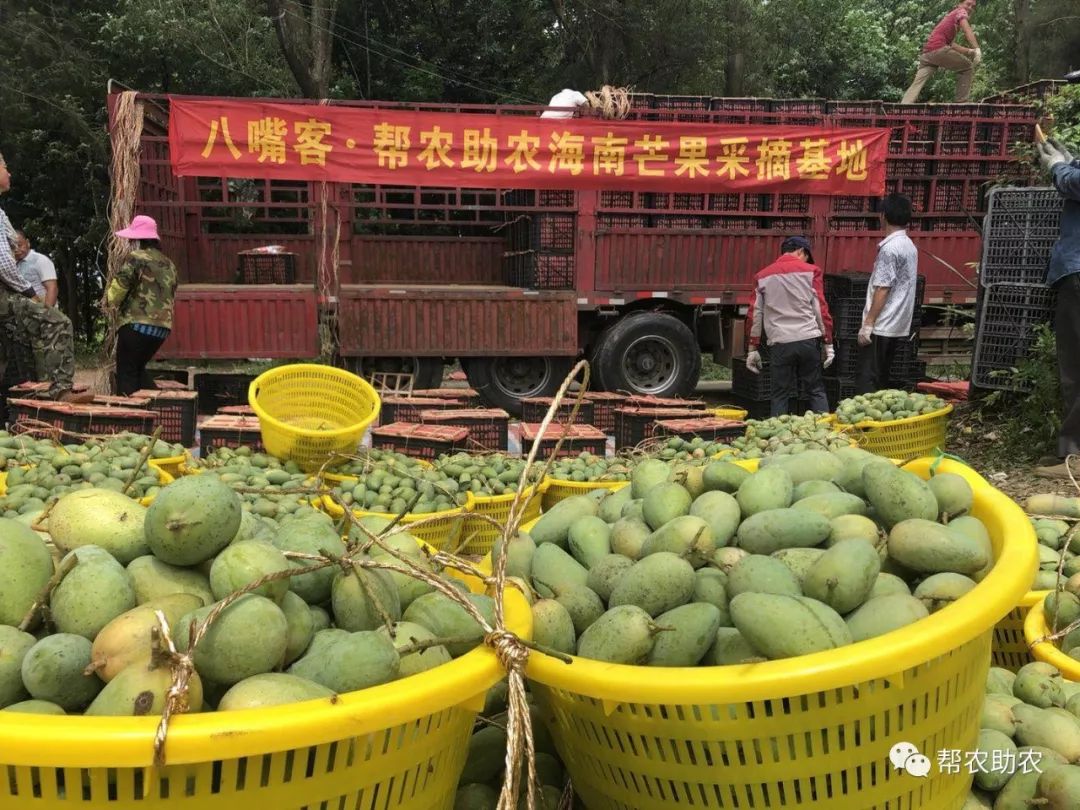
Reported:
(300, 637)
(1054, 541)
(720, 566)
(886, 406)
(786, 435)
(588, 467)
(1029, 742)
(40, 471)
(267, 486)
(692, 450)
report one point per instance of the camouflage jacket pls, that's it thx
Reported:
(143, 290)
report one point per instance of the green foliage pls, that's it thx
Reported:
(1029, 421)
(1064, 108)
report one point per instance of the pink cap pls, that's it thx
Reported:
(142, 227)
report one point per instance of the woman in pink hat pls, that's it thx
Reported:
(141, 294)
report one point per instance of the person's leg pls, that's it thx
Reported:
(129, 352)
(782, 367)
(866, 375)
(922, 76)
(812, 376)
(1067, 330)
(885, 349)
(148, 347)
(51, 336)
(959, 64)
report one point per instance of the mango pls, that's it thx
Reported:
(25, 568)
(1018, 791)
(1048, 729)
(730, 647)
(771, 530)
(710, 587)
(247, 638)
(723, 476)
(665, 502)
(687, 536)
(648, 474)
(848, 527)
(799, 560)
(628, 535)
(883, 614)
(843, 576)
(362, 597)
(301, 626)
(771, 488)
(356, 661)
(553, 626)
(725, 558)
(153, 579)
(760, 574)
(271, 689)
(486, 755)
(632, 509)
(1059, 787)
(974, 528)
(930, 548)
(92, 594)
(241, 564)
(554, 570)
(583, 605)
(554, 525)
(447, 619)
(853, 461)
(688, 632)
(589, 539)
(941, 590)
(997, 713)
(612, 504)
(1062, 608)
(410, 663)
(1039, 684)
(625, 634)
(953, 494)
(898, 495)
(999, 681)
(53, 668)
(810, 465)
(99, 517)
(606, 572)
(782, 626)
(655, 584)
(141, 689)
(192, 519)
(310, 537)
(808, 488)
(128, 638)
(886, 584)
(34, 707)
(721, 511)
(14, 645)
(990, 741)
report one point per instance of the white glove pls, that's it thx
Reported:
(866, 335)
(1065, 151)
(830, 355)
(1050, 155)
(977, 58)
(753, 362)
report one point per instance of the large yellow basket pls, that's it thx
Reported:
(813, 731)
(479, 536)
(438, 529)
(914, 437)
(1035, 629)
(401, 745)
(308, 412)
(1010, 648)
(558, 489)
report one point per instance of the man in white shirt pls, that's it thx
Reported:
(567, 99)
(37, 269)
(890, 298)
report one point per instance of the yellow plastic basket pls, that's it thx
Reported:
(914, 437)
(164, 479)
(173, 465)
(307, 412)
(738, 414)
(559, 489)
(1035, 628)
(1010, 648)
(401, 745)
(813, 731)
(443, 533)
(479, 536)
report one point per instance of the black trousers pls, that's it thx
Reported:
(1067, 333)
(875, 362)
(133, 351)
(790, 363)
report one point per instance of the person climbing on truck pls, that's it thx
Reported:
(790, 312)
(940, 51)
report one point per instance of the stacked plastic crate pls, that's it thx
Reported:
(1021, 227)
(845, 293)
(540, 239)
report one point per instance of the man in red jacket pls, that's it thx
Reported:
(789, 310)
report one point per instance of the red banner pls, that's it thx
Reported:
(291, 141)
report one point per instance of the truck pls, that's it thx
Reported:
(515, 285)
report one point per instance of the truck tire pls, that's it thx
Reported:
(427, 371)
(648, 353)
(503, 382)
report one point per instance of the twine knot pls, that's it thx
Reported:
(511, 651)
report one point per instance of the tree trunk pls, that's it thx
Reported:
(735, 63)
(306, 41)
(1022, 40)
